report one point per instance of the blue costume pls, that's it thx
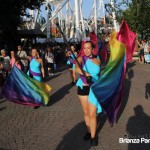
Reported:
(94, 70)
(71, 61)
(35, 70)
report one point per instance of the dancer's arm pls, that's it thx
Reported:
(78, 70)
(42, 68)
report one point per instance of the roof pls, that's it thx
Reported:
(33, 33)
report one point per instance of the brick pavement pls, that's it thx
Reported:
(60, 126)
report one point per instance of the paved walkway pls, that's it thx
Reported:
(60, 126)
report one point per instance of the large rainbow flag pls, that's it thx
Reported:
(20, 88)
(110, 86)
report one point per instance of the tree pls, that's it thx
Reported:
(137, 15)
(10, 18)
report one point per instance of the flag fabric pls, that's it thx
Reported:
(109, 88)
(94, 40)
(100, 45)
(104, 52)
(126, 36)
(22, 89)
(81, 52)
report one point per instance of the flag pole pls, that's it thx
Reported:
(66, 42)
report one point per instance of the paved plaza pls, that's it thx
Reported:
(60, 125)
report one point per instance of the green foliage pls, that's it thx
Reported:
(10, 17)
(12, 10)
(137, 15)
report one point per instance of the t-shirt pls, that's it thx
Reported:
(22, 54)
(146, 48)
(12, 62)
(50, 57)
(6, 62)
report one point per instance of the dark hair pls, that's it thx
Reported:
(144, 40)
(93, 46)
(17, 58)
(74, 45)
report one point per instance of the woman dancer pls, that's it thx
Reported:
(71, 63)
(90, 105)
(36, 69)
(25, 90)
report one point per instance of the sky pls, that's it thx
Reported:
(87, 7)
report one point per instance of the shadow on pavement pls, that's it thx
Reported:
(2, 101)
(61, 69)
(52, 77)
(101, 119)
(1, 110)
(138, 127)
(125, 99)
(3, 149)
(58, 95)
(73, 140)
(147, 91)
(127, 86)
(130, 74)
(131, 64)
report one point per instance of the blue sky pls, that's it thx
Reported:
(87, 7)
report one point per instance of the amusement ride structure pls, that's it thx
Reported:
(69, 15)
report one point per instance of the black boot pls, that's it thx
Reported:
(36, 107)
(87, 136)
(94, 141)
(73, 83)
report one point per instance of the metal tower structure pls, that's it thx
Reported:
(71, 17)
(112, 3)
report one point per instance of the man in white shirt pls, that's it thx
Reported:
(22, 54)
(50, 61)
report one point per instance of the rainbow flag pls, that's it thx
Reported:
(126, 36)
(110, 86)
(22, 89)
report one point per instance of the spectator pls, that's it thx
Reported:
(141, 52)
(15, 60)
(50, 61)
(5, 61)
(22, 54)
(36, 69)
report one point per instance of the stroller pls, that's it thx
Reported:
(147, 58)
